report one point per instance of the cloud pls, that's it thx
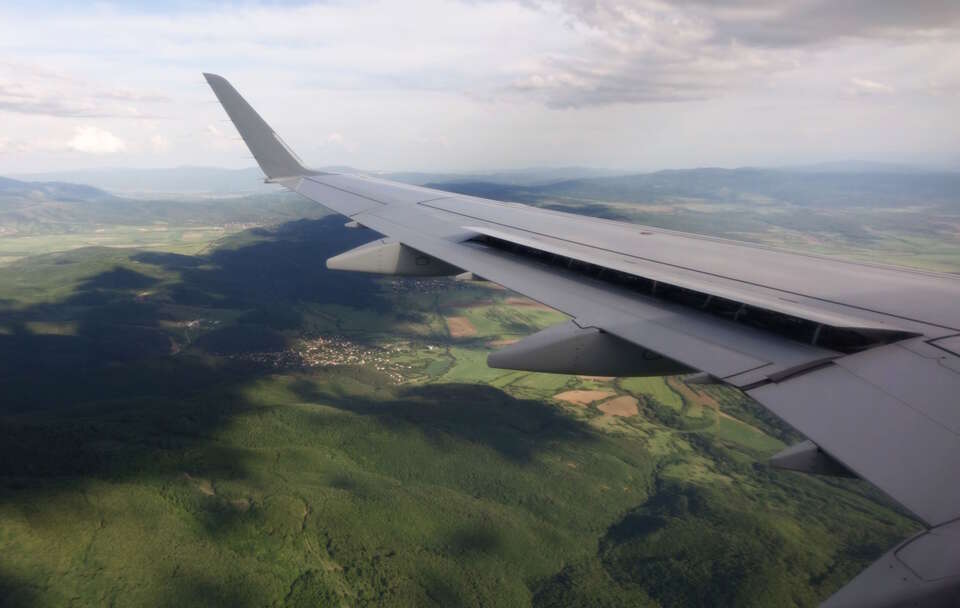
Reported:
(28, 88)
(16, 97)
(561, 53)
(221, 140)
(645, 51)
(159, 143)
(9, 145)
(793, 23)
(862, 86)
(335, 138)
(639, 52)
(94, 140)
(630, 83)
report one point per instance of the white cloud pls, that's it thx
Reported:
(650, 51)
(28, 88)
(12, 146)
(94, 140)
(335, 138)
(491, 83)
(159, 143)
(869, 87)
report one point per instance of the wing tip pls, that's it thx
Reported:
(212, 78)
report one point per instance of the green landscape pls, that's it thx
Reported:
(195, 412)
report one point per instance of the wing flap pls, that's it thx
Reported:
(867, 412)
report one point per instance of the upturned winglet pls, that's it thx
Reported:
(275, 158)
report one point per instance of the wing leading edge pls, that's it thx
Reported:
(856, 357)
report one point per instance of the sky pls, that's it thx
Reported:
(472, 85)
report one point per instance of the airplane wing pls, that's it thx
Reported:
(863, 359)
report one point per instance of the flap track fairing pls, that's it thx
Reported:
(570, 349)
(386, 256)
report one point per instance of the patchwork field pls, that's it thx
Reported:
(622, 406)
(583, 397)
(460, 327)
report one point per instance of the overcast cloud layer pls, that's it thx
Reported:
(427, 84)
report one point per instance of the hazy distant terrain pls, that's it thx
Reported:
(182, 180)
(41, 217)
(219, 420)
(217, 181)
(902, 215)
(911, 217)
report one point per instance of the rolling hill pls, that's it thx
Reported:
(805, 188)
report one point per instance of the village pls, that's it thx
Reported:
(332, 351)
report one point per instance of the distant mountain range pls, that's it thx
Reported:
(220, 181)
(176, 180)
(60, 191)
(804, 186)
(214, 180)
(865, 166)
(851, 183)
(53, 206)
(518, 177)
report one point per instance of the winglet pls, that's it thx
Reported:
(275, 158)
